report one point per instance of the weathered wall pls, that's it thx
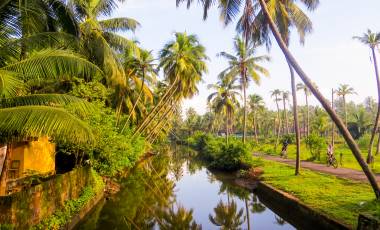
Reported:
(35, 156)
(29, 207)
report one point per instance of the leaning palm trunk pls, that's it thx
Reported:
(137, 100)
(332, 123)
(160, 111)
(342, 128)
(135, 104)
(157, 127)
(295, 117)
(148, 117)
(376, 126)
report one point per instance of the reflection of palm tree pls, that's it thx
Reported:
(180, 219)
(279, 220)
(227, 216)
(256, 205)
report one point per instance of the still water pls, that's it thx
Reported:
(171, 191)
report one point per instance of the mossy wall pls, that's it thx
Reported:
(29, 207)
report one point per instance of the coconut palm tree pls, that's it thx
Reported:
(224, 99)
(99, 41)
(229, 9)
(140, 65)
(34, 115)
(343, 91)
(276, 94)
(285, 98)
(183, 62)
(373, 41)
(227, 216)
(245, 65)
(307, 93)
(180, 219)
(255, 102)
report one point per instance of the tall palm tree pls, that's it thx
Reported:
(180, 219)
(229, 9)
(255, 102)
(224, 99)
(140, 65)
(373, 41)
(99, 40)
(285, 98)
(183, 61)
(343, 91)
(227, 216)
(246, 65)
(276, 94)
(307, 93)
(34, 115)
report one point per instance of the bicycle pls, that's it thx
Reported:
(331, 161)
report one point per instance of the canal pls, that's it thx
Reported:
(174, 191)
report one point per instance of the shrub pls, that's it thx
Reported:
(363, 141)
(315, 144)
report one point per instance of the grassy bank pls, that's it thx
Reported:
(348, 159)
(339, 198)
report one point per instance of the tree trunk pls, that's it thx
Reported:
(342, 128)
(159, 122)
(295, 117)
(378, 145)
(247, 211)
(155, 107)
(279, 124)
(245, 108)
(227, 123)
(376, 126)
(332, 123)
(345, 110)
(137, 100)
(286, 123)
(255, 125)
(307, 115)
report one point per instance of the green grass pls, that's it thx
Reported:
(348, 158)
(339, 198)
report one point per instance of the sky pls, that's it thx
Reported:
(330, 56)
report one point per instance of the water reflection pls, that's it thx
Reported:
(174, 191)
(227, 216)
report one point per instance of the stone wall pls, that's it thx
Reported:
(30, 206)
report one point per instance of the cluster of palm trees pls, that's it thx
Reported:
(45, 42)
(260, 18)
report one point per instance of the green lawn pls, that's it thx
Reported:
(348, 159)
(342, 199)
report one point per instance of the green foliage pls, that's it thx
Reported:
(91, 91)
(218, 154)
(290, 138)
(72, 207)
(315, 144)
(364, 140)
(113, 152)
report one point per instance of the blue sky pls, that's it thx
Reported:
(330, 56)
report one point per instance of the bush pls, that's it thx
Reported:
(363, 141)
(113, 152)
(315, 144)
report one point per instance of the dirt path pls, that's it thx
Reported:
(339, 172)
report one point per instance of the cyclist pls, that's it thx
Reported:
(284, 149)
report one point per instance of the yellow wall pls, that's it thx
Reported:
(35, 156)
(40, 156)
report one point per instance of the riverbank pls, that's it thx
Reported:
(337, 198)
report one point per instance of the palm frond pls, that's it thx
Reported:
(10, 85)
(36, 121)
(52, 63)
(119, 24)
(53, 100)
